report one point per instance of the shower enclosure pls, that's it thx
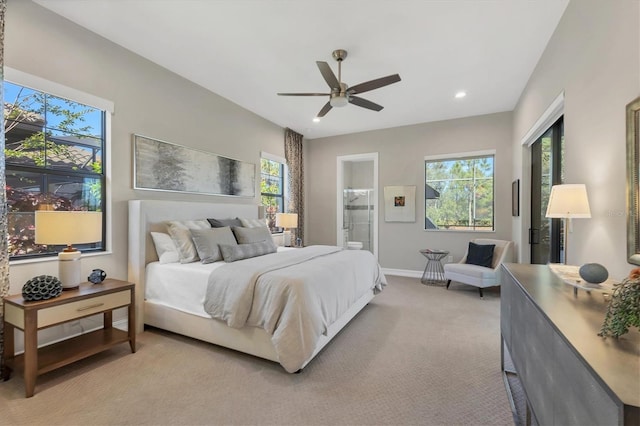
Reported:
(357, 202)
(358, 217)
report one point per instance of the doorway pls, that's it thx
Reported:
(547, 169)
(357, 202)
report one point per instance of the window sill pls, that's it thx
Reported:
(54, 258)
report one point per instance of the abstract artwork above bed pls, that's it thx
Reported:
(164, 166)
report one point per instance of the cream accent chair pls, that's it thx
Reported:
(480, 276)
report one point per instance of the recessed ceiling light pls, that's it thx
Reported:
(316, 119)
(461, 94)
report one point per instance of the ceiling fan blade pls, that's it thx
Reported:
(304, 94)
(325, 109)
(328, 75)
(364, 103)
(374, 84)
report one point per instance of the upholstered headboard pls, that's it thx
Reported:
(150, 215)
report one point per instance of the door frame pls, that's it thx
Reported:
(340, 160)
(546, 119)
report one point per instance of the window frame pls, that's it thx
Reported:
(107, 107)
(461, 156)
(284, 175)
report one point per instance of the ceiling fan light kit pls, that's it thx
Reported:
(341, 94)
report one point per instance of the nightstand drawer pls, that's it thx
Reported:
(82, 308)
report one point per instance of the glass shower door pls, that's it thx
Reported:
(358, 218)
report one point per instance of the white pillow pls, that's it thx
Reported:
(181, 236)
(253, 223)
(165, 248)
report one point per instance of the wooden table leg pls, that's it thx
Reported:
(132, 322)
(108, 320)
(9, 349)
(30, 352)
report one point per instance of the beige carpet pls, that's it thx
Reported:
(417, 355)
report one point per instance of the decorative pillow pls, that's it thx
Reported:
(181, 236)
(252, 223)
(221, 223)
(207, 240)
(480, 254)
(166, 249)
(251, 235)
(232, 253)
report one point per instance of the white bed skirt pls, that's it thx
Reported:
(251, 340)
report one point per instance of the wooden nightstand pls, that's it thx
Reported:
(89, 299)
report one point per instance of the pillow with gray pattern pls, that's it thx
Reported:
(207, 241)
(251, 235)
(231, 253)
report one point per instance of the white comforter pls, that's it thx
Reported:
(294, 295)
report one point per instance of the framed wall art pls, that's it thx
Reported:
(164, 166)
(400, 203)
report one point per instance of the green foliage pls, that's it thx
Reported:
(33, 109)
(623, 310)
(466, 193)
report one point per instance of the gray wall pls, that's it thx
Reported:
(401, 152)
(149, 100)
(594, 56)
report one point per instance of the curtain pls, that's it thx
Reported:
(4, 251)
(295, 181)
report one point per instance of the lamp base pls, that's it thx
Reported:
(286, 236)
(69, 269)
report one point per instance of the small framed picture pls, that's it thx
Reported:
(400, 203)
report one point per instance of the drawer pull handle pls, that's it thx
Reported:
(89, 307)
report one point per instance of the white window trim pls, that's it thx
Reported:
(75, 95)
(461, 155)
(546, 120)
(57, 89)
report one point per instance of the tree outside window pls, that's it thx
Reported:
(459, 193)
(54, 154)
(272, 190)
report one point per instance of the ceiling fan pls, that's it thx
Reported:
(341, 94)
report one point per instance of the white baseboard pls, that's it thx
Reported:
(402, 272)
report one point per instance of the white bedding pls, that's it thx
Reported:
(181, 286)
(293, 296)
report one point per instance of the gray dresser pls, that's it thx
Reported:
(570, 375)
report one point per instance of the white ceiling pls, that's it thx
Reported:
(248, 50)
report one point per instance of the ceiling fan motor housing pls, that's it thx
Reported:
(339, 98)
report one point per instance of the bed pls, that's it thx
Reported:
(183, 313)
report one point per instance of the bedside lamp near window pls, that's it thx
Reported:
(287, 221)
(68, 228)
(568, 201)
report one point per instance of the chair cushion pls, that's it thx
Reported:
(480, 254)
(472, 271)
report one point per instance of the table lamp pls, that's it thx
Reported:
(68, 228)
(287, 221)
(568, 201)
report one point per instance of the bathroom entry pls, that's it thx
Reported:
(357, 202)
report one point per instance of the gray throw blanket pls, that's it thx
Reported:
(293, 295)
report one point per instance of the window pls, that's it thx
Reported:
(459, 192)
(272, 189)
(55, 151)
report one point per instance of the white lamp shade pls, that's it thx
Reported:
(287, 220)
(67, 227)
(568, 201)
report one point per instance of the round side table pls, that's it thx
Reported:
(433, 272)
